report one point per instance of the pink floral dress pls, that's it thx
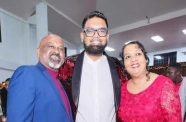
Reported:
(158, 103)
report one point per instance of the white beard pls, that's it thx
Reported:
(55, 66)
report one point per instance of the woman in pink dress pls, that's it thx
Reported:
(146, 96)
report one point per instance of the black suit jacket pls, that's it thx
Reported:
(72, 82)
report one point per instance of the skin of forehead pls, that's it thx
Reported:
(48, 38)
(137, 48)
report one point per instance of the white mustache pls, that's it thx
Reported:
(55, 57)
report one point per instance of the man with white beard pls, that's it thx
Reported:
(35, 94)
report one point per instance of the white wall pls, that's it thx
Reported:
(16, 45)
(19, 43)
(181, 55)
(71, 49)
(5, 73)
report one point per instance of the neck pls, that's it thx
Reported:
(94, 57)
(53, 70)
(141, 79)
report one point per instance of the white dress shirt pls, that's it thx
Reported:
(96, 100)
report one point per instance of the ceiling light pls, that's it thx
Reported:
(184, 31)
(109, 49)
(157, 38)
(158, 57)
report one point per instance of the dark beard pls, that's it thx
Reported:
(95, 50)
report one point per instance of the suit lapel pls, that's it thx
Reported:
(76, 79)
(52, 84)
(115, 81)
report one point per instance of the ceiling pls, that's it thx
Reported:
(128, 20)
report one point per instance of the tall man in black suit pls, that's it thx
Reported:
(93, 80)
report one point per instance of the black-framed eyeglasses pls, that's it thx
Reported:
(90, 32)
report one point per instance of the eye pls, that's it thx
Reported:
(51, 46)
(89, 30)
(61, 49)
(102, 30)
(127, 57)
(138, 54)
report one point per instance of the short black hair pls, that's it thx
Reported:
(94, 14)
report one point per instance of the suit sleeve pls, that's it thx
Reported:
(21, 95)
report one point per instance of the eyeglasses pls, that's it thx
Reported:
(90, 32)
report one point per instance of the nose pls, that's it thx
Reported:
(56, 49)
(133, 58)
(96, 34)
